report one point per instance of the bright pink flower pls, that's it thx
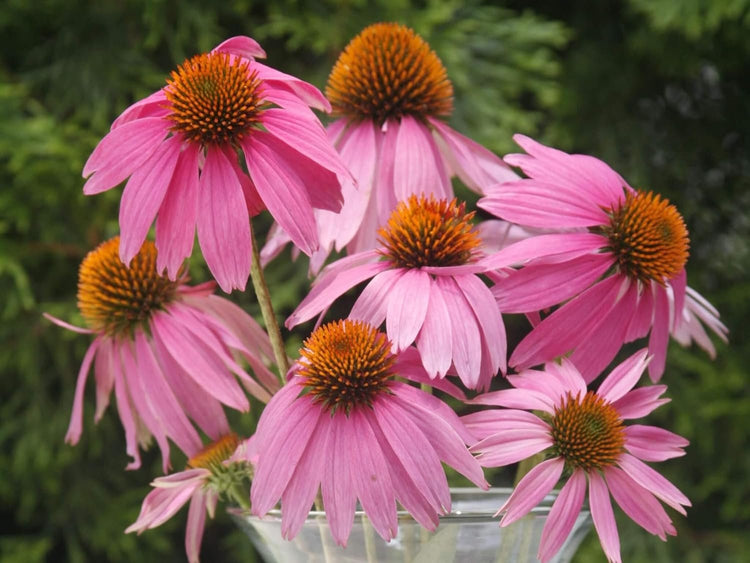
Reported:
(390, 91)
(167, 349)
(210, 473)
(179, 148)
(343, 425)
(585, 436)
(424, 285)
(616, 261)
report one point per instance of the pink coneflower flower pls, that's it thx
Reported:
(180, 148)
(345, 426)
(170, 351)
(424, 285)
(619, 259)
(390, 91)
(213, 472)
(586, 439)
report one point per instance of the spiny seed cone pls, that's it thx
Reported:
(114, 298)
(388, 71)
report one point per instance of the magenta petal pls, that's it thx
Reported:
(306, 92)
(323, 294)
(512, 444)
(196, 522)
(624, 377)
(143, 196)
(407, 306)
(651, 443)
(153, 105)
(559, 245)
(178, 215)
(639, 504)
(372, 303)
(121, 152)
(75, 427)
(436, 337)
(487, 313)
(338, 487)
(104, 376)
(241, 46)
(467, 346)
(604, 518)
(529, 399)
(486, 422)
(477, 167)
(223, 226)
(536, 287)
(303, 486)
(532, 489)
(162, 401)
(640, 402)
(417, 167)
(125, 410)
(270, 163)
(657, 342)
(679, 289)
(563, 515)
(654, 482)
(371, 475)
(67, 326)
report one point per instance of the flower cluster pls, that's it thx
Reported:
(367, 414)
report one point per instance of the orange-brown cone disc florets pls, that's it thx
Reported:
(429, 232)
(388, 71)
(346, 364)
(215, 453)
(649, 238)
(587, 432)
(214, 98)
(114, 298)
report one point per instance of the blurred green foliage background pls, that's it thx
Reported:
(659, 89)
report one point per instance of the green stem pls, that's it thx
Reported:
(266, 309)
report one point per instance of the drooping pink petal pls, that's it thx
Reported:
(223, 226)
(385, 183)
(121, 152)
(435, 340)
(651, 443)
(305, 91)
(448, 445)
(477, 167)
(143, 196)
(270, 163)
(161, 399)
(487, 313)
(562, 516)
(371, 476)
(139, 396)
(432, 405)
(65, 325)
(679, 288)
(654, 482)
(603, 517)
(417, 167)
(241, 46)
(323, 294)
(513, 444)
(639, 504)
(415, 452)
(407, 306)
(659, 339)
(204, 409)
(543, 203)
(125, 409)
(640, 402)
(624, 377)
(567, 327)
(196, 521)
(516, 399)
(303, 486)
(536, 287)
(75, 427)
(280, 454)
(104, 376)
(531, 490)
(560, 246)
(372, 303)
(486, 422)
(153, 105)
(178, 214)
(466, 346)
(338, 487)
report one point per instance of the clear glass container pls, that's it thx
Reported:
(469, 534)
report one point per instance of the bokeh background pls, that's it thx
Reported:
(660, 89)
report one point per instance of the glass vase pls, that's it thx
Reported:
(469, 533)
